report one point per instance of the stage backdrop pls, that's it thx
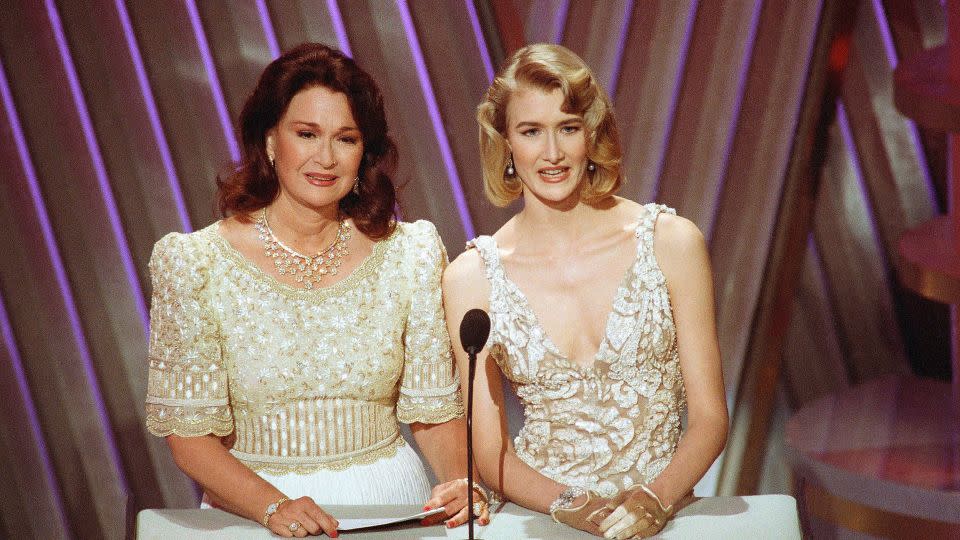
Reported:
(116, 116)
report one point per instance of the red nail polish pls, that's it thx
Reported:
(425, 508)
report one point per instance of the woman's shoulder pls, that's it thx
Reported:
(184, 251)
(670, 227)
(678, 243)
(418, 230)
(417, 236)
(464, 268)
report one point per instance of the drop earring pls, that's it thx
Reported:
(356, 185)
(270, 159)
(510, 170)
(591, 166)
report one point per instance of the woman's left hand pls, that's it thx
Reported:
(452, 496)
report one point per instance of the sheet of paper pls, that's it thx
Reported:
(366, 523)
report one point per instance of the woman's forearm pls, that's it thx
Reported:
(444, 447)
(519, 482)
(228, 481)
(698, 448)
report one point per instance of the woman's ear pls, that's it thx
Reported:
(271, 146)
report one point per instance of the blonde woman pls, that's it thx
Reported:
(602, 314)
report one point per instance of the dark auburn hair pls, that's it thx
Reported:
(253, 184)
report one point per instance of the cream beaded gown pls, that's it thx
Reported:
(616, 423)
(312, 383)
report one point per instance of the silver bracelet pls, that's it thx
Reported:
(565, 500)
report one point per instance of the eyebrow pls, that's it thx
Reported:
(574, 120)
(315, 125)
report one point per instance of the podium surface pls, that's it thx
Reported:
(760, 516)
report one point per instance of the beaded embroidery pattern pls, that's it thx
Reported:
(307, 379)
(617, 423)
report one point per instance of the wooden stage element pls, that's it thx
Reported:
(881, 458)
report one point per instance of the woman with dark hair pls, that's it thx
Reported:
(601, 314)
(290, 337)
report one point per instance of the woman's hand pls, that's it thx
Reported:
(586, 515)
(301, 517)
(635, 513)
(452, 496)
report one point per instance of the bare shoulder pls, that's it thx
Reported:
(465, 270)
(679, 246)
(677, 231)
(465, 284)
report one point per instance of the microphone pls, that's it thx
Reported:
(474, 330)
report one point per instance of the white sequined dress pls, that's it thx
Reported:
(616, 423)
(312, 383)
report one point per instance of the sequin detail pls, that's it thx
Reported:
(617, 423)
(308, 380)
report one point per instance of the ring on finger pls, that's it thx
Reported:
(478, 508)
(294, 526)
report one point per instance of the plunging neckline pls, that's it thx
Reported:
(622, 290)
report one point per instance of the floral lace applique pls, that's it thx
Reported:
(605, 428)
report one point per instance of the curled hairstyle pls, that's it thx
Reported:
(549, 67)
(253, 184)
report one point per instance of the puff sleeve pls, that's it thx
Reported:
(429, 385)
(187, 391)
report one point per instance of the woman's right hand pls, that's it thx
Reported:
(309, 517)
(585, 515)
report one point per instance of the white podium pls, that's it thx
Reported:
(755, 517)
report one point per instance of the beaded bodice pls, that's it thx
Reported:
(609, 426)
(307, 379)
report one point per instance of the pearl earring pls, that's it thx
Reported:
(510, 170)
(591, 166)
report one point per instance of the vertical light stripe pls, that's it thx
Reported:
(657, 174)
(103, 181)
(268, 31)
(156, 125)
(888, 46)
(435, 119)
(215, 88)
(881, 19)
(60, 273)
(621, 45)
(336, 19)
(735, 113)
(55, 495)
(481, 41)
(849, 144)
(560, 20)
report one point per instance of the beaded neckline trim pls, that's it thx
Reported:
(366, 268)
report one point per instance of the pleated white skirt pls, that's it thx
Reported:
(400, 479)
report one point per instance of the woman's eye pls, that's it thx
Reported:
(350, 139)
(532, 132)
(305, 134)
(569, 129)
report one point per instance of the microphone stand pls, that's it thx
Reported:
(472, 354)
(474, 330)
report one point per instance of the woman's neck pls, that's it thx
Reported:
(305, 229)
(551, 226)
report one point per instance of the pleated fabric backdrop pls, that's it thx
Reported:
(117, 116)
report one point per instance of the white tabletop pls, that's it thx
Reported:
(760, 516)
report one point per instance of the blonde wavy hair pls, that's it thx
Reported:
(548, 67)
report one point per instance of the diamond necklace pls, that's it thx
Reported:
(305, 269)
